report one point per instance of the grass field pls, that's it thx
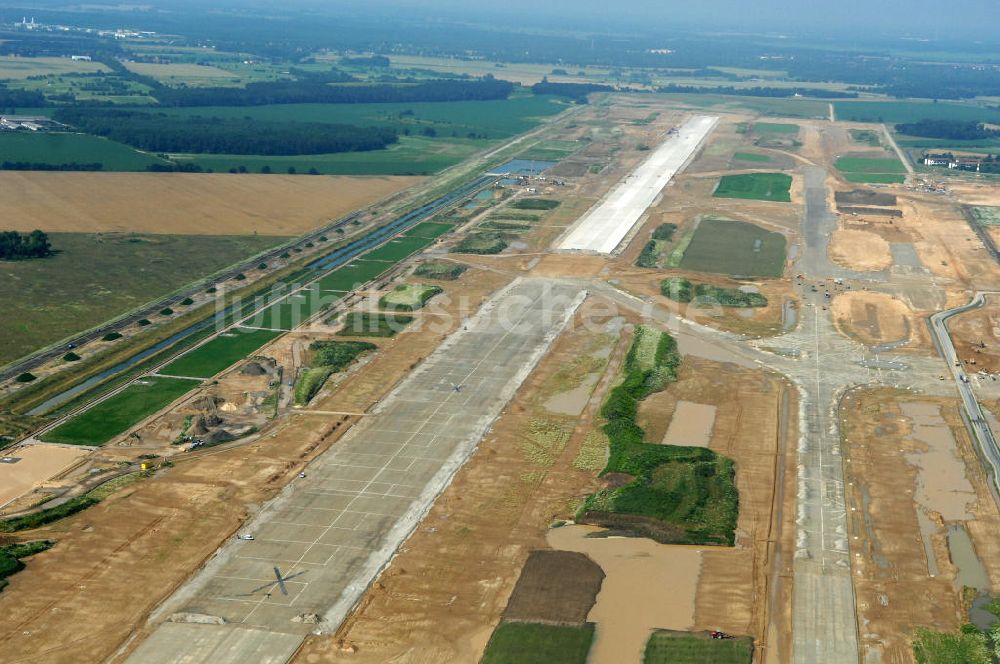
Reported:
(550, 151)
(367, 324)
(772, 107)
(219, 353)
(17, 67)
(529, 643)
(188, 74)
(775, 128)
(96, 277)
(730, 247)
(408, 297)
(750, 156)
(757, 186)
(675, 648)
(440, 270)
(117, 414)
(59, 148)
(893, 112)
(351, 275)
(930, 647)
(295, 309)
(411, 156)
(866, 136)
(878, 170)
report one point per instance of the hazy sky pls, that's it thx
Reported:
(944, 19)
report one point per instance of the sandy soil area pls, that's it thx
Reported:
(975, 335)
(900, 506)
(691, 424)
(37, 463)
(975, 193)
(859, 250)
(875, 318)
(183, 203)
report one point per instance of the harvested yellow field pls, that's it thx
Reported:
(184, 203)
(177, 73)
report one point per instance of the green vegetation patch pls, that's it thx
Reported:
(220, 353)
(680, 648)
(987, 216)
(930, 647)
(651, 253)
(352, 275)
(531, 643)
(674, 494)
(535, 204)
(736, 248)
(757, 186)
(296, 309)
(328, 357)
(60, 150)
(11, 557)
(866, 136)
(775, 128)
(115, 415)
(912, 111)
(94, 278)
(489, 242)
(751, 156)
(869, 165)
(440, 270)
(875, 178)
(408, 297)
(367, 324)
(682, 290)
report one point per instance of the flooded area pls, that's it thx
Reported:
(971, 574)
(942, 486)
(691, 425)
(647, 586)
(574, 401)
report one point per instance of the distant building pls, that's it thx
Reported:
(81, 58)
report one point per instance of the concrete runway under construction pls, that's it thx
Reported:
(332, 532)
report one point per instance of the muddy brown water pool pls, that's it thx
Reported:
(647, 586)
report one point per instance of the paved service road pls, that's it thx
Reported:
(603, 228)
(331, 532)
(979, 428)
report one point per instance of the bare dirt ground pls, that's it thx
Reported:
(80, 601)
(859, 250)
(555, 587)
(975, 193)
(183, 203)
(877, 318)
(903, 573)
(37, 463)
(975, 334)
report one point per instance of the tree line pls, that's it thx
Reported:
(320, 92)
(956, 130)
(159, 132)
(22, 246)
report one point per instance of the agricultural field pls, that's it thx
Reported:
(680, 648)
(113, 416)
(894, 112)
(58, 148)
(295, 309)
(731, 247)
(872, 170)
(220, 353)
(485, 243)
(94, 278)
(353, 274)
(192, 75)
(408, 297)
(531, 643)
(16, 67)
(550, 151)
(756, 186)
(412, 155)
(183, 203)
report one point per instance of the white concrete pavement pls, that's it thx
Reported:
(604, 227)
